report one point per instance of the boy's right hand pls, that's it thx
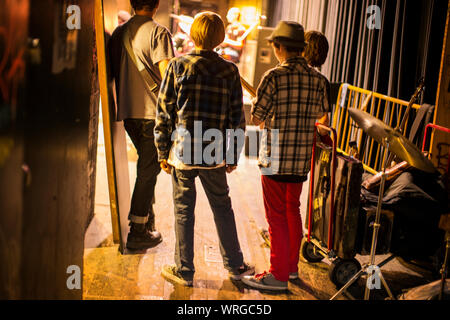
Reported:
(165, 166)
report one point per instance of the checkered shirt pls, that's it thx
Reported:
(199, 86)
(290, 98)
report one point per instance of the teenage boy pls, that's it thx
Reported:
(201, 93)
(289, 100)
(316, 53)
(151, 45)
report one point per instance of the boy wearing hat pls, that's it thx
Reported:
(201, 93)
(290, 98)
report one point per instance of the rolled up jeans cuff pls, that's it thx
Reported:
(137, 219)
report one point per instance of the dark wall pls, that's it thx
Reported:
(389, 60)
(13, 39)
(46, 220)
(410, 48)
(11, 223)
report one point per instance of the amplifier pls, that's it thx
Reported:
(365, 231)
(346, 202)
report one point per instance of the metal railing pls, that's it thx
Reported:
(387, 109)
(432, 127)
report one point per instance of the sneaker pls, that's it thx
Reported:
(265, 281)
(244, 270)
(293, 275)
(171, 274)
(140, 238)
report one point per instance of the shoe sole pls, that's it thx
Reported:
(174, 279)
(140, 246)
(256, 285)
(240, 276)
(293, 277)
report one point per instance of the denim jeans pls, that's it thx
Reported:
(140, 132)
(214, 183)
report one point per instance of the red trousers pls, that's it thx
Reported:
(282, 205)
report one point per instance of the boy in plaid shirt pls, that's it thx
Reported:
(290, 98)
(201, 99)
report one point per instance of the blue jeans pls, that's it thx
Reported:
(214, 183)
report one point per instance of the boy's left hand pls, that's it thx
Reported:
(326, 139)
(230, 169)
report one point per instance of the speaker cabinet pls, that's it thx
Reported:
(384, 233)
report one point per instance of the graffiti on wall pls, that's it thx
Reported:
(13, 37)
(65, 37)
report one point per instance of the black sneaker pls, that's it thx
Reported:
(170, 273)
(293, 275)
(140, 238)
(244, 270)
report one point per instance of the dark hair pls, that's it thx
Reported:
(279, 40)
(316, 51)
(148, 5)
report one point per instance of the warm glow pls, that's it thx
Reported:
(111, 23)
(249, 15)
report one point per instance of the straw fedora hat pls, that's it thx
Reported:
(289, 33)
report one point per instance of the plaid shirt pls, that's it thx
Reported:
(199, 88)
(289, 99)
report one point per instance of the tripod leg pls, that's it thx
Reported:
(380, 277)
(385, 261)
(348, 295)
(376, 225)
(367, 292)
(444, 267)
(386, 286)
(348, 284)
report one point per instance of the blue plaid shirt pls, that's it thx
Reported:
(200, 91)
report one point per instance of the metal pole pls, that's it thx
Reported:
(376, 225)
(349, 283)
(376, 228)
(386, 286)
(444, 266)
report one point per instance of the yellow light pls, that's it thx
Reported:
(249, 15)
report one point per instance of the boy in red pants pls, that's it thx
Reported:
(290, 98)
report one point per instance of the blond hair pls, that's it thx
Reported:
(207, 30)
